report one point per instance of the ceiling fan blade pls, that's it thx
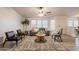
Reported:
(49, 12)
(40, 8)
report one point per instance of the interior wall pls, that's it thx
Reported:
(9, 20)
(61, 23)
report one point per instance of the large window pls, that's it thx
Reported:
(52, 24)
(39, 23)
(73, 23)
(49, 24)
(33, 23)
(76, 23)
(44, 23)
(70, 23)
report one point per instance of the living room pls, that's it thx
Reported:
(48, 19)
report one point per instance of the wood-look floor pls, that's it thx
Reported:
(29, 44)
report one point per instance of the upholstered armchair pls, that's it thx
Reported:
(11, 36)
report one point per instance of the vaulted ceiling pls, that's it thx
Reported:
(32, 12)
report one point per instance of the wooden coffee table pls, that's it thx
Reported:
(40, 38)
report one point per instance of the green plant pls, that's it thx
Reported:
(25, 22)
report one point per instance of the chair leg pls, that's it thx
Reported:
(61, 39)
(21, 38)
(57, 38)
(16, 43)
(4, 43)
(54, 38)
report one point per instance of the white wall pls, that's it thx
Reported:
(9, 20)
(70, 30)
(61, 23)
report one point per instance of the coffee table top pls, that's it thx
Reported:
(40, 34)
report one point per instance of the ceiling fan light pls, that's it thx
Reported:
(41, 14)
(40, 11)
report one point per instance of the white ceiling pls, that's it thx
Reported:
(56, 11)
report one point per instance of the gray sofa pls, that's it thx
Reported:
(31, 33)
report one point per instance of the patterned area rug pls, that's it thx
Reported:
(29, 44)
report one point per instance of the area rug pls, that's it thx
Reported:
(29, 44)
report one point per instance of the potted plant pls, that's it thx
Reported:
(25, 22)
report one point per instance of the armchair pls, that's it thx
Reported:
(11, 36)
(58, 35)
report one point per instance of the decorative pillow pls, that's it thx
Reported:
(34, 30)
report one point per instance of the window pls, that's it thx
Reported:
(44, 23)
(52, 24)
(39, 23)
(33, 23)
(73, 23)
(70, 23)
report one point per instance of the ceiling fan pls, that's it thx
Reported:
(41, 10)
